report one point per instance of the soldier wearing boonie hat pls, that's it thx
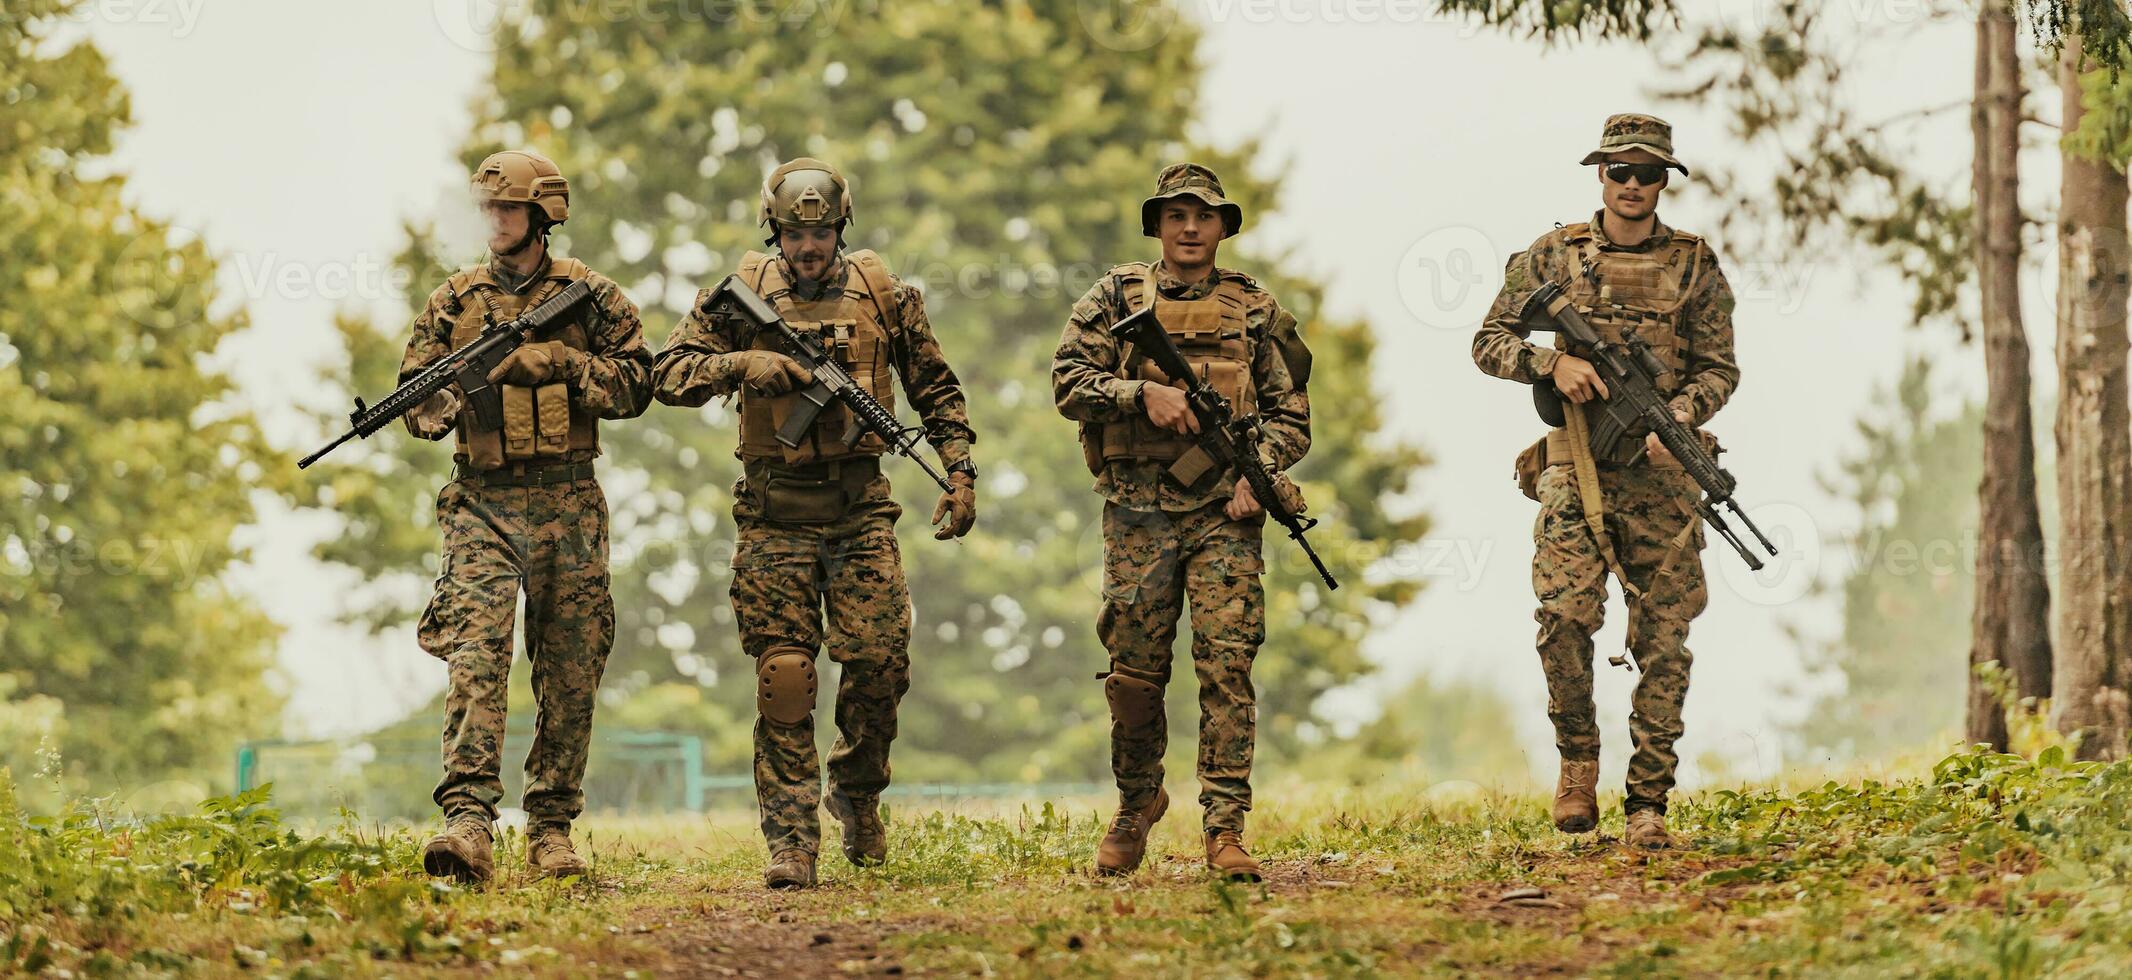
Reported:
(1631, 517)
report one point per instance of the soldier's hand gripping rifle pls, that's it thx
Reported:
(468, 366)
(1229, 439)
(1632, 404)
(831, 383)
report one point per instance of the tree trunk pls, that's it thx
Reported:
(2094, 443)
(2011, 621)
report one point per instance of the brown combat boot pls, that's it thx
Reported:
(1577, 797)
(865, 840)
(464, 852)
(790, 868)
(550, 854)
(1126, 842)
(1647, 829)
(1226, 856)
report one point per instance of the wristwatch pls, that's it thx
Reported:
(964, 466)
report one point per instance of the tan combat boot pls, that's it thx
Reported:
(1126, 842)
(1577, 797)
(465, 851)
(1647, 829)
(1226, 856)
(550, 854)
(790, 868)
(865, 840)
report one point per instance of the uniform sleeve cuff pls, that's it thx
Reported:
(1542, 360)
(1129, 402)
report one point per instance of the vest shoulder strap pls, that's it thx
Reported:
(880, 286)
(754, 268)
(569, 269)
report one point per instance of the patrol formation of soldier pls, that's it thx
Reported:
(817, 563)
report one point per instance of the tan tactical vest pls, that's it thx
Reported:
(539, 424)
(1641, 292)
(1214, 338)
(855, 326)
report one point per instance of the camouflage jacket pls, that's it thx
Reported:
(1086, 387)
(694, 367)
(612, 379)
(1500, 346)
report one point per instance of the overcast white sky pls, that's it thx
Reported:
(297, 136)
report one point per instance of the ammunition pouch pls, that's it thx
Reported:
(538, 423)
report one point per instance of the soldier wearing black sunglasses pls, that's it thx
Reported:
(1628, 513)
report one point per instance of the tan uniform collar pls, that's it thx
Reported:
(1660, 234)
(511, 282)
(1176, 288)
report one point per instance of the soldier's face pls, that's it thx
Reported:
(508, 222)
(1190, 232)
(808, 249)
(1632, 200)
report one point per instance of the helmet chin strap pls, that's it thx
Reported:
(534, 230)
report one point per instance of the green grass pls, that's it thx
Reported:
(1988, 865)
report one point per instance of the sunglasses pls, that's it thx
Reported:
(1647, 174)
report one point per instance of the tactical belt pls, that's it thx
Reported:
(522, 475)
(851, 469)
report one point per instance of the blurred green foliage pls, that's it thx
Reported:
(123, 471)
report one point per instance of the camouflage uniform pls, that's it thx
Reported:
(787, 574)
(548, 538)
(1649, 515)
(1166, 546)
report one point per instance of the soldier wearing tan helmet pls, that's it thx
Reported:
(1178, 531)
(816, 523)
(523, 513)
(1630, 517)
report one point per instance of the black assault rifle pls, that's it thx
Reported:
(468, 366)
(1632, 406)
(1230, 440)
(831, 383)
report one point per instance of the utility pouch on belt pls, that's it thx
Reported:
(797, 500)
(1531, 463)
(810, 493)
(1092, 447)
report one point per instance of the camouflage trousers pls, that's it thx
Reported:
(1155, 564)
(551, 542)
(1659, 543)
(788, 579)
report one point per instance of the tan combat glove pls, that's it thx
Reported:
(434, 417)
(532, 365)
(959, 506)
(769, 372)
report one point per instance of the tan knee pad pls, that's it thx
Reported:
(1135, 701)
(785, 685)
